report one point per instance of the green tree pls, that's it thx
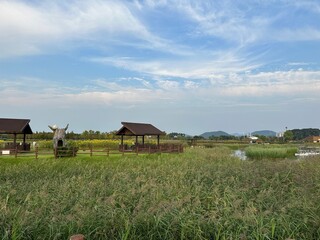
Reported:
(288, 135)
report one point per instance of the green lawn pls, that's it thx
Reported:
(200, 194)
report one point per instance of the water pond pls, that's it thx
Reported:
(302, 153)
(240, 154)
(307, 151)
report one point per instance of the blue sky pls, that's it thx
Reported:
(182, 65)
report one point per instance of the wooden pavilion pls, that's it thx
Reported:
(16, 126)
(139, 130)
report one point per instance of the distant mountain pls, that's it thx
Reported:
(238, 134)
(214, 134)
(266, 133)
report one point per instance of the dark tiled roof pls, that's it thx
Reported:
(20, 126)
(138, 129)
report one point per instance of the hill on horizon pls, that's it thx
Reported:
(266, 133)
(214, 134)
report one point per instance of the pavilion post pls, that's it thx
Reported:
(24, 142)
(15, 139)
(137, 140)
(121, 141)
(143, 140)
(158, 140)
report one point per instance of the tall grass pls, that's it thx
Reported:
(201, 194)
(263, 152)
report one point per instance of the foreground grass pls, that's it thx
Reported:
(201, 194)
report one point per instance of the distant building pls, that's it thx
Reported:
(280, 134)
(312, 139)
(253, 139)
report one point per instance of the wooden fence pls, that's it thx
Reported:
(74, 151)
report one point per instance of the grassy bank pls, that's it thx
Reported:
(270, 152)
(201, 194)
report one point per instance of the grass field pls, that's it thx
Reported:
(200, 194)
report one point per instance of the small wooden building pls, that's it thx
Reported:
(15, 127)
(139, 130)
(312, 139)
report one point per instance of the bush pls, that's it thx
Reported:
(66, 151)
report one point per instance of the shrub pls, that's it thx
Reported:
(66, 151)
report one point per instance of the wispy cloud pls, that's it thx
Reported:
(203, 67)
(248, 22)
(281, 84)
(27, 28)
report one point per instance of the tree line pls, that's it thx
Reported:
(289, 135)
(300, 134)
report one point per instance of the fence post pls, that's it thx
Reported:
(16, 152)
(91, 150)
(107, 152)
(55, 152)
(137, 150)
(73, 152)
(36, 152)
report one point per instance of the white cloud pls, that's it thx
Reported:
(168, 85)
(311, 5)
(282, 83)
(292, 35)
(299, 64)
(245, 23)
(33, 28)
(250, 86)
(43, 26)
(191, 84)
(196, 67)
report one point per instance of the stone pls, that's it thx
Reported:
(77, 237)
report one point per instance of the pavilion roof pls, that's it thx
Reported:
(138, 129)
(15, 126)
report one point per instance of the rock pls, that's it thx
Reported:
(77, 237)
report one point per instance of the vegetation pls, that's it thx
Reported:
(288, 135)
(299, 134)
(201, 194)
(270, 152)
(66, 151)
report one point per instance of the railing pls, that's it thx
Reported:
(152, 148)
(74, 151)
(20, 146)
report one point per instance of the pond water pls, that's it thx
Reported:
(240, 154)
(302, 153)
(307, 151)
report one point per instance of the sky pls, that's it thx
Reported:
(182, 65)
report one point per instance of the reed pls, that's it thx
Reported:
(200, 194)
(261, 152)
